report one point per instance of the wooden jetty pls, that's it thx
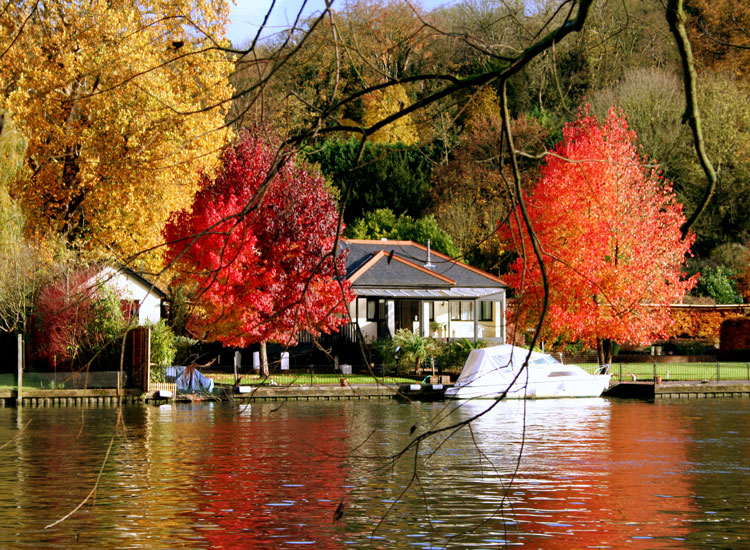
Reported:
(317, 392)
(56, 398)
(680, 389)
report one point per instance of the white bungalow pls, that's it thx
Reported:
(402, 284)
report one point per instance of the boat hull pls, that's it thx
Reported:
(590, 386)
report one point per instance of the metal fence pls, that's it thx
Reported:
(714, 372)
(63, 380)
(303, 375)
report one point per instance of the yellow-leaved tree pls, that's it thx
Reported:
(116, 100)
(383, 103)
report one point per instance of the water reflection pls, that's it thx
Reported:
(556, 474)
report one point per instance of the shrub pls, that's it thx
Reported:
(184, 345)
(163, 347)
(413, 349)
(454, 355)
(718, 283)
(77, 320)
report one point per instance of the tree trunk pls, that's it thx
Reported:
(604, 350)
(263, 360)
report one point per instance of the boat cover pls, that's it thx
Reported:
(187, 383)
(495, 371)
(499, 364)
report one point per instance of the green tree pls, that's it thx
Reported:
(718, 283)
(21, 268)
(12, 150)
(384, 224)
(650, 98)
(392, 176)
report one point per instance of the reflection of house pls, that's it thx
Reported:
(136, 293)
(402, 284)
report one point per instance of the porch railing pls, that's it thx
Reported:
(348, 334)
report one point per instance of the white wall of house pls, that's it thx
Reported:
(358, 312)
(133, 289)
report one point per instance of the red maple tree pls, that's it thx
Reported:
(257, 252)
(75, 317)
(608, 227)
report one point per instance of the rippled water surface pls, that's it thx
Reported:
(555, 474)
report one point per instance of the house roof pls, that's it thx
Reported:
(402, 269)
(153, 286)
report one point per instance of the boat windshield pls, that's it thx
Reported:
(506, 361)
(544, 360)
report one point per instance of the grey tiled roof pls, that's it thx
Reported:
(385, 271)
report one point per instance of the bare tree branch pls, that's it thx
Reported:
(676, 18)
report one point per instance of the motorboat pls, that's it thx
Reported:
(490, 373)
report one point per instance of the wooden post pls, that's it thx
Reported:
(237, 359)
(263, 360)
(19, 399)
(476, 319)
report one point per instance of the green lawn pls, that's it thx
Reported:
(305, 379)
(676, 371)
(7, 382)
(624, 372)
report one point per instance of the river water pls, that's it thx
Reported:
(553, 474)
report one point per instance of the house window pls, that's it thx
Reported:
(485, 311)
(375, 309)
(462, 311)
(129, 309)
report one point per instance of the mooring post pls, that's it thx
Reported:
(19, 398)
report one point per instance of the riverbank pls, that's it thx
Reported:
(102, 397)
(60, 397)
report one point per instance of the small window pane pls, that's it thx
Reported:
(462, 311)
(467, 311)
(486, 311)
(372, 310)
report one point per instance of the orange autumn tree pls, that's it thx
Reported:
(608, 227)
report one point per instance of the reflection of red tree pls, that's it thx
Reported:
(637, 500)
(648, 486)
(263, 489)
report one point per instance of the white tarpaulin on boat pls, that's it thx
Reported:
(497, 364)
